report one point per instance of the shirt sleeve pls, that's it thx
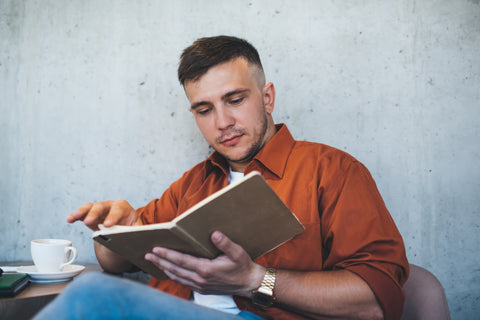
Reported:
(360, 235)
(160, 210)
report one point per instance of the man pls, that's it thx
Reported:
(348, 263)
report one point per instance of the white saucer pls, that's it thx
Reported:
(68, 272)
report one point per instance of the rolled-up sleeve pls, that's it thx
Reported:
(361, 236)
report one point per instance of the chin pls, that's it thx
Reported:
(244, 158)
(234, 156)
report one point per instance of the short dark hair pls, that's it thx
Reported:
(207, 52)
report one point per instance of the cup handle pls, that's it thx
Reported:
(74, 252)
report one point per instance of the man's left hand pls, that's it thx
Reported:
(232, 273)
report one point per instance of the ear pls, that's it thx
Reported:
(269, 97)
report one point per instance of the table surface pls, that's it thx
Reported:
(35, 296)
(41, 289)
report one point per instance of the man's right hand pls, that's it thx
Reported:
(108, 213)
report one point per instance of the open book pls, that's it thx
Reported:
(249, 212)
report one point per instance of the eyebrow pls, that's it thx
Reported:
(224, 97)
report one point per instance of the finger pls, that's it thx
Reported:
(183, 260)
(227, 246)
(175, 272)
(120, 211)
(202, 270)
(186, 282)
(80, 213)
(97, 214)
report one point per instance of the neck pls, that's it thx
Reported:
(237, 167)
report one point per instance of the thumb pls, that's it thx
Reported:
(227, 246)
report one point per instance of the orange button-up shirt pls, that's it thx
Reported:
(347, 225)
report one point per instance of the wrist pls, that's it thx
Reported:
(264, 295)
(254, 280)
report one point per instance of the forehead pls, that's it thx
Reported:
(222, 78)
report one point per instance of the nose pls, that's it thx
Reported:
(224, 118)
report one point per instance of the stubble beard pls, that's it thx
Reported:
(256, 146)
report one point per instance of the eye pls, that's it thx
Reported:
(236, 100)
(203, 111)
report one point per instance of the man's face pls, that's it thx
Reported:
(233, 110)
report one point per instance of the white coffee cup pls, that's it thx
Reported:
(51, 255)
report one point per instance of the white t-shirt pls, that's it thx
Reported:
(223, 303)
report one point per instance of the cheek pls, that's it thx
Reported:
(206, 128)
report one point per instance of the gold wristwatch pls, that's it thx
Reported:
(263, 296)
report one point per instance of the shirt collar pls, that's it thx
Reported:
(275, 153)
(273, 156)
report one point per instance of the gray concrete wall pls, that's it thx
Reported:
(90, 109)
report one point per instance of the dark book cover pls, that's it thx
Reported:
(12, 283)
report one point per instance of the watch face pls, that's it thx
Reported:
(264, 295)
(262, 299)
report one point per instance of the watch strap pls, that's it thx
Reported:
(269, 279)
(263, 295)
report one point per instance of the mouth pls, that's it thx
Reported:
(232, 140)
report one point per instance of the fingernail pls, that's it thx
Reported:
(157, 250)
(217, 236)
